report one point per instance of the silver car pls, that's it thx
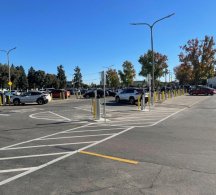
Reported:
(30, 97)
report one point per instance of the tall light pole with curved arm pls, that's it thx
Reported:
(8, 62)
(151, 26)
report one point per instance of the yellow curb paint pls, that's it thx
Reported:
(110, 157)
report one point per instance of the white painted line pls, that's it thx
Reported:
(93, 130)
(60, 158)
(45, 136)
(96, 135)
(4, 114)
(74, 152)
(35, 155)
(56, 117)
(60, 116)
(15, 170)
(49, 145)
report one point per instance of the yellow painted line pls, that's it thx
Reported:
(110, 157)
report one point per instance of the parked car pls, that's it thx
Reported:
(202, 90)
(130, 95)
(111, 93)
(30, 97)
(56, 93)
(91, 93)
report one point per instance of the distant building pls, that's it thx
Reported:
(212, 82)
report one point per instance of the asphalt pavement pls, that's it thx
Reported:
(59, 148)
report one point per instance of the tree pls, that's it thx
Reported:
(21, 81)
(183, 73)
(77, 80)
(31, 78)
(128, 74)
(61, 77)
(160, 64)
(3, 76)
(51, 81)
(112, 78)
(200, 55)
(40, 78)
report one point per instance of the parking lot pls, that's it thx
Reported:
(36, 137)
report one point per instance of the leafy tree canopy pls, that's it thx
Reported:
(128, 74)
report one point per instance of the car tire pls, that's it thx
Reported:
(40, 101)
(117, 99)
(16, 102)
(132, 100)
(87, 96)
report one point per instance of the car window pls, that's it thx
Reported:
(35, 93)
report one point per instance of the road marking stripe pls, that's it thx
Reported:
(94, 130)
(110, 157)
(49, 145)
(60, 158)
(4, 114)
(35, 155)
(15, 170)
(96, 135)
(45, 136)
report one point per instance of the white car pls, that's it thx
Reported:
(130, 95)
(30, 97)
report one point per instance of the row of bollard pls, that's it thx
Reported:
(160, 97)
(4, 100)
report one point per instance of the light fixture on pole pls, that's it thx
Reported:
(152, 49)
(8, 62)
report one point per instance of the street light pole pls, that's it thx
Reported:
(8, 62)
(151, 26)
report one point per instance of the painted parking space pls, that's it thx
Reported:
(26, 157)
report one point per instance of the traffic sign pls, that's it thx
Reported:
(10, 83)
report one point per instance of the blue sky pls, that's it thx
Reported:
(94, 34)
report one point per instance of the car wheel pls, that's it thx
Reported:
(117, 99)
(87, 96)
(40, 101)
(16, 102)
(132, 100)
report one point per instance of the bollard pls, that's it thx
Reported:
(168, 94)
(138, 102)
(94, 108)
(97, 109)
(162, 96)
(165, 95)
(1, 100)
(149, 99)
(155, 95)
(143, 102)
(76, 95)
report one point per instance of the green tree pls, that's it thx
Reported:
(51, 81)
(21, 81)
(128, 74)
(77, 80)
(31, 78)
(61, 77)
(39, 78)
(112, 78)
(3, 76)
(200, 55)
(160, 64)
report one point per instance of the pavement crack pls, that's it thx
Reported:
(156, 177)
